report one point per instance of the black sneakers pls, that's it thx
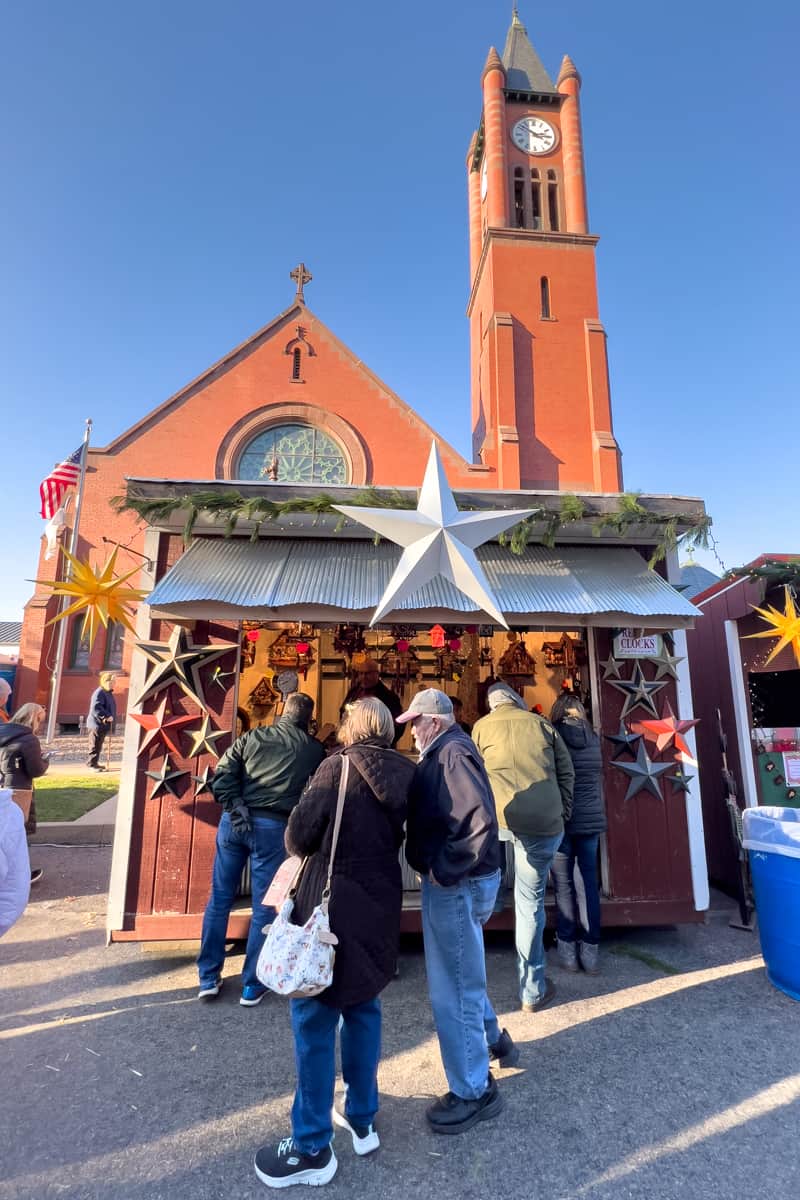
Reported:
(451, 1114)
(504, 1052)
(543, 1001)
(36, 875)
(283, 1165)
(365, 1137)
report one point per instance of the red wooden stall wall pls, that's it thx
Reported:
(648, 842)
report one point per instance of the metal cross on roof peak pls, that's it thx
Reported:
(301, 276)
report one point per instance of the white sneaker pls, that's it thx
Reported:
(365, 1137)
(209, 991)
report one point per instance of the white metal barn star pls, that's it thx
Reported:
(437, 539)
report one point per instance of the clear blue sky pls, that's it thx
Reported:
(166, 164)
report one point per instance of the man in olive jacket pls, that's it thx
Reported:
(258, 782)
(532, 778)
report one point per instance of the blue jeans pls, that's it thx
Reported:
(452, 926)
(314, 1028)
(264, 847)
(583, 850)
(533, 857)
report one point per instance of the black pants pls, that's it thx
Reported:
(98, 736)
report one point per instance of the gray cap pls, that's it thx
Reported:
(428, 703)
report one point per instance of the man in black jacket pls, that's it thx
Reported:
(100, 718)
(368, 682)
(258, 782)
(453, 844)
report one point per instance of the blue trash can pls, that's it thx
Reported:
(772, 839)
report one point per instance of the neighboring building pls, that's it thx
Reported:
(10, 634)
(758, 703)
(292, 412)
(695, 579)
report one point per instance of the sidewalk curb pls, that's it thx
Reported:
(68, 833)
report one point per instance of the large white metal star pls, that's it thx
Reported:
(437, 539)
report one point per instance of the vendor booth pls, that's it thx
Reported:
(242, 611)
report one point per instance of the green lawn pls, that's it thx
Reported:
(67, 797)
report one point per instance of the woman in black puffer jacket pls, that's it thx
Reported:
(576, 943)
(365, 903)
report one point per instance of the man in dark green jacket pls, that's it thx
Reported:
(532, 778)
(258, 782)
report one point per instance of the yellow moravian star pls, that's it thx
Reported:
(785, 627)
(99, 594)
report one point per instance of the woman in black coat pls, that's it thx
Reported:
(364, 910)
(22, 761)
(578, 944)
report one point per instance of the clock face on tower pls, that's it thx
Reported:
(534, 135)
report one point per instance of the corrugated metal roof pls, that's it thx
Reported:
(350, 577)
(10, 633)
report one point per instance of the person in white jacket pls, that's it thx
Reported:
(15, 866)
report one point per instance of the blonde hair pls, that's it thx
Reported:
(29, 714)
(367, 718)
(106, 679)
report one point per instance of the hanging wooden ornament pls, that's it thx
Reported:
(99, 594)
(785, 626)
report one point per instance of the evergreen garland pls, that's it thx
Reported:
(231, 507)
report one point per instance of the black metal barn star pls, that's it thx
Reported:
(624, 742)
(638, 691)
(644, 774)
(164, 779)
(178, 661)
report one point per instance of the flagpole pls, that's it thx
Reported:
(58, 667)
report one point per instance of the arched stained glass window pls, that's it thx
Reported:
(293, 454)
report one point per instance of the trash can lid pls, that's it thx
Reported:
(772, 829)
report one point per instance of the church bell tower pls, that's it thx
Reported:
(541, 405)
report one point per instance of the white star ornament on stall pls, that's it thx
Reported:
(437, 539)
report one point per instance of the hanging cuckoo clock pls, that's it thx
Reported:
(516, 665)
(349, 640)
(263, 697)
(292, 649)
(398, 666)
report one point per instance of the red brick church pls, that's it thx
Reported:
(295, 405)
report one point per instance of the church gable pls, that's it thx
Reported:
(291, 404)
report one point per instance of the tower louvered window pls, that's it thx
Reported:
(552, 201)
(296, 364)
(536, 200)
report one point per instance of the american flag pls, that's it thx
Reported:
(65, 475)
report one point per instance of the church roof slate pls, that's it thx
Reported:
(525, 71)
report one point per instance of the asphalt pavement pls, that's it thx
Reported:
(674, 1075)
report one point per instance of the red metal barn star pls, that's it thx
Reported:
(668, 728)
(158, 724)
